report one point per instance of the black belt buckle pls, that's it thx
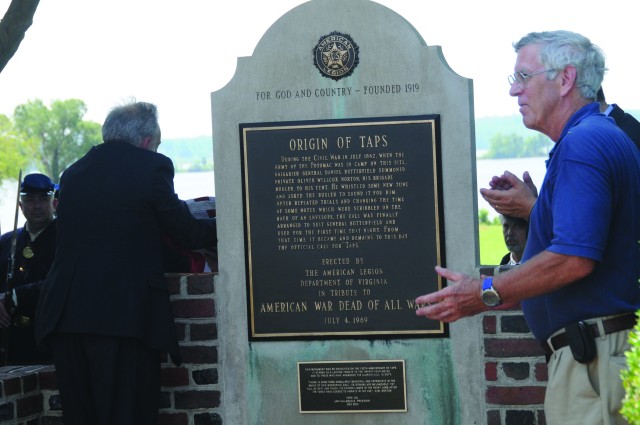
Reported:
(581, 341)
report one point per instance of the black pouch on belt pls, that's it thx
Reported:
(581, 341)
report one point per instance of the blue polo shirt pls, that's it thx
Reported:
(589, 206)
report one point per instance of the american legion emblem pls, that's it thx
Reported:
(335, 55)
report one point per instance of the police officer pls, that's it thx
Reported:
(35, 249)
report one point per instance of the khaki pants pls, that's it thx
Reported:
(587, 394)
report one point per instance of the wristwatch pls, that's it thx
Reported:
(489, 294)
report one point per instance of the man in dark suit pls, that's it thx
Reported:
(33, 255)
(625, 121)
(105, 309)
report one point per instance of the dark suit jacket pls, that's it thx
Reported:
(107, 277)
(627, 123)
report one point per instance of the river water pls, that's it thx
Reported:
(487, 168)
(187, 185)
(193, 185)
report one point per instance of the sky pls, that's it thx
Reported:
(175, 53)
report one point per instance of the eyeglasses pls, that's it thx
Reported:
(521, 78)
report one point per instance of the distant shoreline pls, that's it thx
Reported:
(193, 184)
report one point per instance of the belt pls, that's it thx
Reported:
(614, 324)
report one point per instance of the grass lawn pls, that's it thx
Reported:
(492, 247)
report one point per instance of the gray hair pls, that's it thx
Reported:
(132, 123)
(562, 48)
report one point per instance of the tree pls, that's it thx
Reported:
(514, 146)
(504, 146)
(15, 154)
(483, 216)
(59, 134)
(17, 20)
(537, 145)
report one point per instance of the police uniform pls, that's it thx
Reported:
(33, 258)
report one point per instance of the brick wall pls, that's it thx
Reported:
(190, 393)
(515, 369)
(25, 391)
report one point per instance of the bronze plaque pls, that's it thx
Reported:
(371, 386)
(344, 226)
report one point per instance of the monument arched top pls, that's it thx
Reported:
(387, 41)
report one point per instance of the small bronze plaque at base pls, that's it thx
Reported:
(371, 386)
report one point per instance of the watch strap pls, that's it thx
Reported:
(487, 283)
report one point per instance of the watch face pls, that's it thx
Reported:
(490, 298)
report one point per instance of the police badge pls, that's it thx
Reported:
(335, 55)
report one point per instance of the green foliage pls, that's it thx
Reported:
(492, 247)
(58, 132)
(483, 216)
(192, 154)
(631, 379)
(515, 146)
(504, 146)
(487, 127)
(538, 145)
(14, 153)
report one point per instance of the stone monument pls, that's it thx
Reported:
(345, 171)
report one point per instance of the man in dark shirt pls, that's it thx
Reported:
(625, 121)
(35, 249)
(515, 231)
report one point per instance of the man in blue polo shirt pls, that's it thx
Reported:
(578, 283)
